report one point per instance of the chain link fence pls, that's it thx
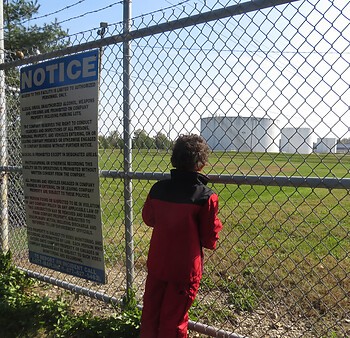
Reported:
(266, 83)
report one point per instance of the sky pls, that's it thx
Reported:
(309, 65)
(90, 13)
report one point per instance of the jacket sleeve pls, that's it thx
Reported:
(147, 212)
(209, 223)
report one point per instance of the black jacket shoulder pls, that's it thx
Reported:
(182, 187)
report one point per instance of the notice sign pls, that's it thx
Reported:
(59, 104)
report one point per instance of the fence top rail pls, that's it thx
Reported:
(218, 14)
(281, 181)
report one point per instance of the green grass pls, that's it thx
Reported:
(236, 163)
(26, 314)
(278, 242)
(283, 243)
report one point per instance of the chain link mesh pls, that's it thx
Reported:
(269, 90)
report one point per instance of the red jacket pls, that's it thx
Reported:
(183, 213)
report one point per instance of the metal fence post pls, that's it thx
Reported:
(129, 244)
(3, 144)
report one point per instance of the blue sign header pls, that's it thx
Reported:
(73, 69)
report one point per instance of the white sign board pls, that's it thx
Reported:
(59, 105)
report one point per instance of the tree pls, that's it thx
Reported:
(162, 142)
(115, 140)
(102, 142)
(20, 40)
(21, 37)
(141, 140)
(344, 140)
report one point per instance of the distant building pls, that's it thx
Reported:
(326, 145)
(241, 133)
(261, 134)
(343, 148)
(297, 140)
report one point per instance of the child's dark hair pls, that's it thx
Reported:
(190, 153)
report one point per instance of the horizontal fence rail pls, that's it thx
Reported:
(292, 181)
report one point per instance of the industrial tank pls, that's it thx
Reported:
(326, 145)
(297, 140)
(241, 133)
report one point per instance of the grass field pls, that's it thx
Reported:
(282, 243)
(235, 163)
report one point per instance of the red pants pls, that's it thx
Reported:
(165, 308)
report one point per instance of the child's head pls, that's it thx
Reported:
(190, 153)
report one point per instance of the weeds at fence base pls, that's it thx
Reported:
(25, 314)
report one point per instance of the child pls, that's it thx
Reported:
(183, 213)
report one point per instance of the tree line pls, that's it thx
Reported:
(140, 140)
(345, 140)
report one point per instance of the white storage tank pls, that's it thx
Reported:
(297, 140)
(326, 145)
(241, 133)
